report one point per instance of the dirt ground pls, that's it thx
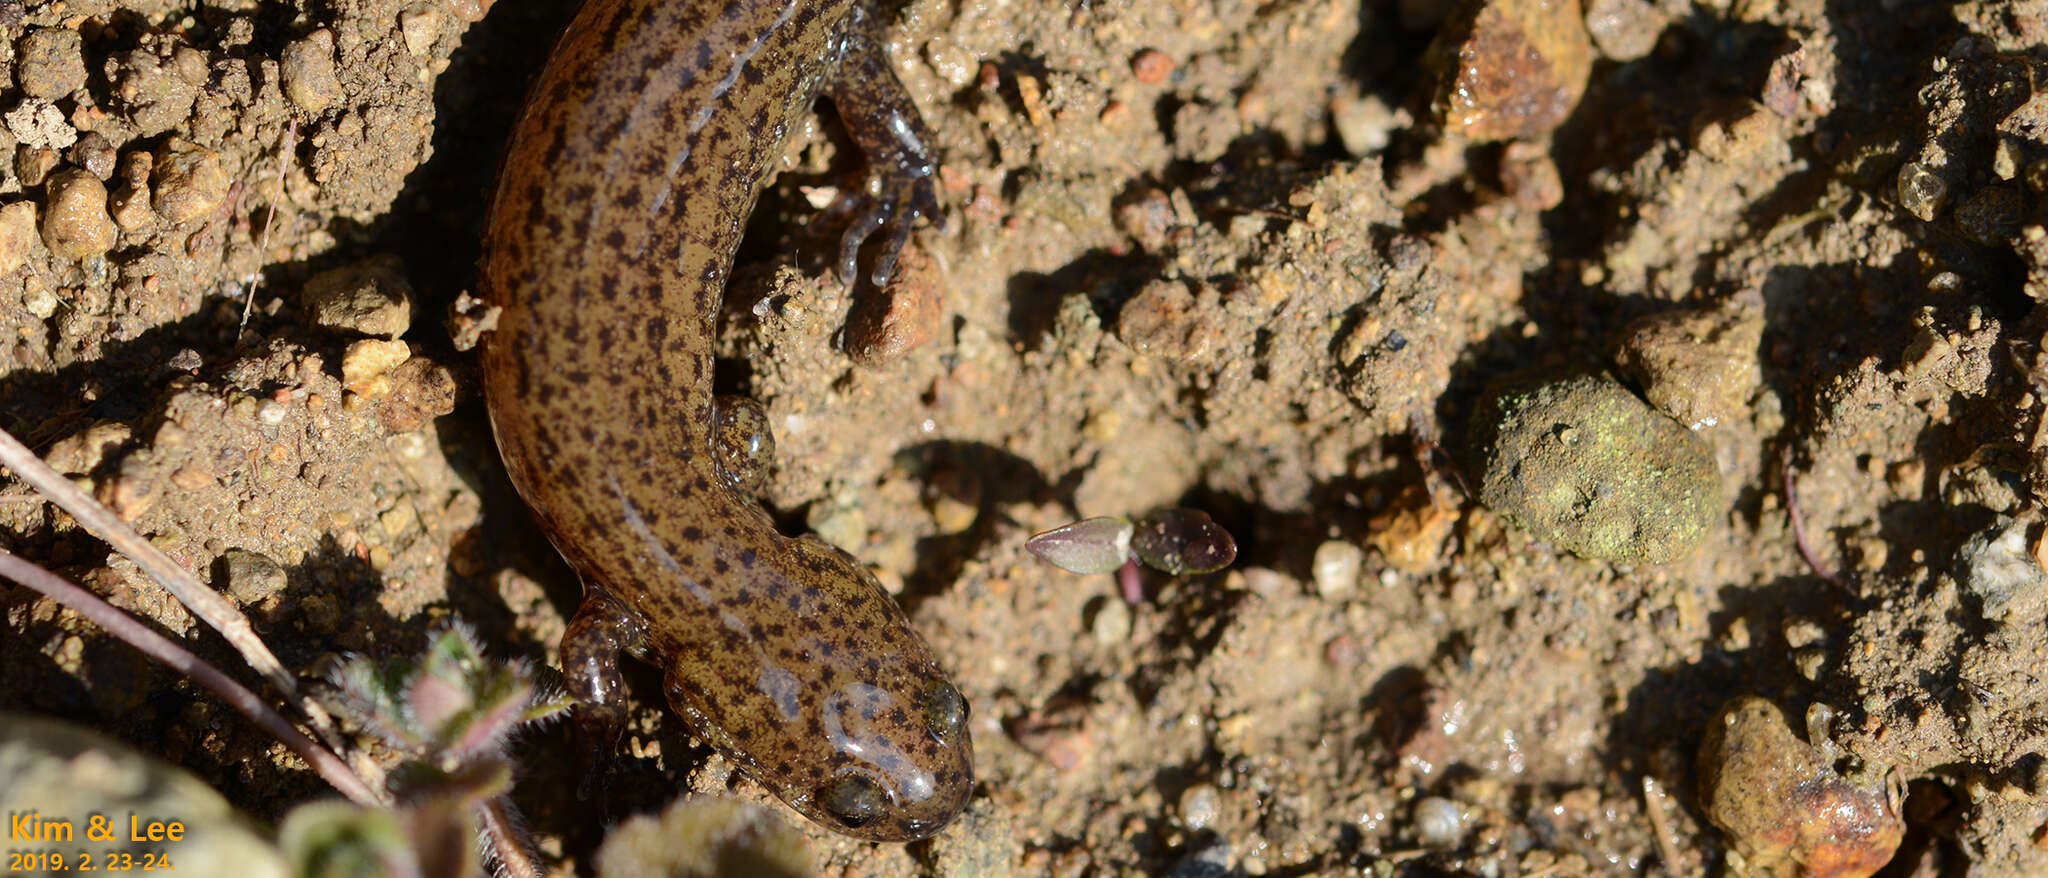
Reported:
(1257, 258)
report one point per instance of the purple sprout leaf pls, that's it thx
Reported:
(1089, 546)
(1182, 541)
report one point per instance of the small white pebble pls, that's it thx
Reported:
(1439, 822)
(1198, 806)
(40, 302)
(1336, 568)
(1111, 621)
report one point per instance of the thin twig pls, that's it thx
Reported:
(1798, 522)
(204, 602)
(1653, 805)
(284, 148)
(156, 646)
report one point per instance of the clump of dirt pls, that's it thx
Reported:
(1232, 256)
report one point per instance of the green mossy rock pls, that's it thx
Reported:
(57, 773)
(1576, 459)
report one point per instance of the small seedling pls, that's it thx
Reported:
(1175, 540)
(450, 706)
(450, 711)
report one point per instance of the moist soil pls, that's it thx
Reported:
(1225, 255)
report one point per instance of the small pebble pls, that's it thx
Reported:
(421, 390)
(842, 526)
(1109, 620)
(17, 238)
(1410, 532)
(271, 413)
(1439, 822)
(131, 208)
(1921, 192)
(33, 164)
(953, 494)
(1625, 29)
(1997, 568)
(190, 182)
(472, 11)
(308, 70)
(39, 301)
(1147, 216)
(50, 62)
(1199, 805)
(419, 27)
(1209, 862)
(369, 359)
(1698, 365)
(75, 221)
(38, 123)
(1365, 124)
(371, 297)
(1336, 569)
(1166, 320)
(1801, 633)
(1152, 66)
(191, 478)
(397, 520)
(1511, 69)
(129, 492)
(251, 577)
(887, 323)
(135, 166)
(93, 153)
(1782, 804)
(1810, 662)
(1342, 652)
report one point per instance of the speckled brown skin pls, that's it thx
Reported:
(632, 170)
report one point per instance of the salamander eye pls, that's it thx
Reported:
(855, 800)
(946, 711)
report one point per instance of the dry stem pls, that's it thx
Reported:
(156, 646)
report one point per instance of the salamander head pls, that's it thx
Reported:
(848, 718)
(894, 782)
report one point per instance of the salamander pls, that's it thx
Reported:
(642, 148)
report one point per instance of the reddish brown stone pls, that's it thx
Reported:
(1151, 66)
(1781, 802)
(890, 322)
(1512, 69)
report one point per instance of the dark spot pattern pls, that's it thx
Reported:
(609, 256)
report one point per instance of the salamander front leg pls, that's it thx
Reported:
(599, 631)
(886, 127)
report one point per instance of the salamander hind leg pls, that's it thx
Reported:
(742, 445)
(599, 631)
(885, 125)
